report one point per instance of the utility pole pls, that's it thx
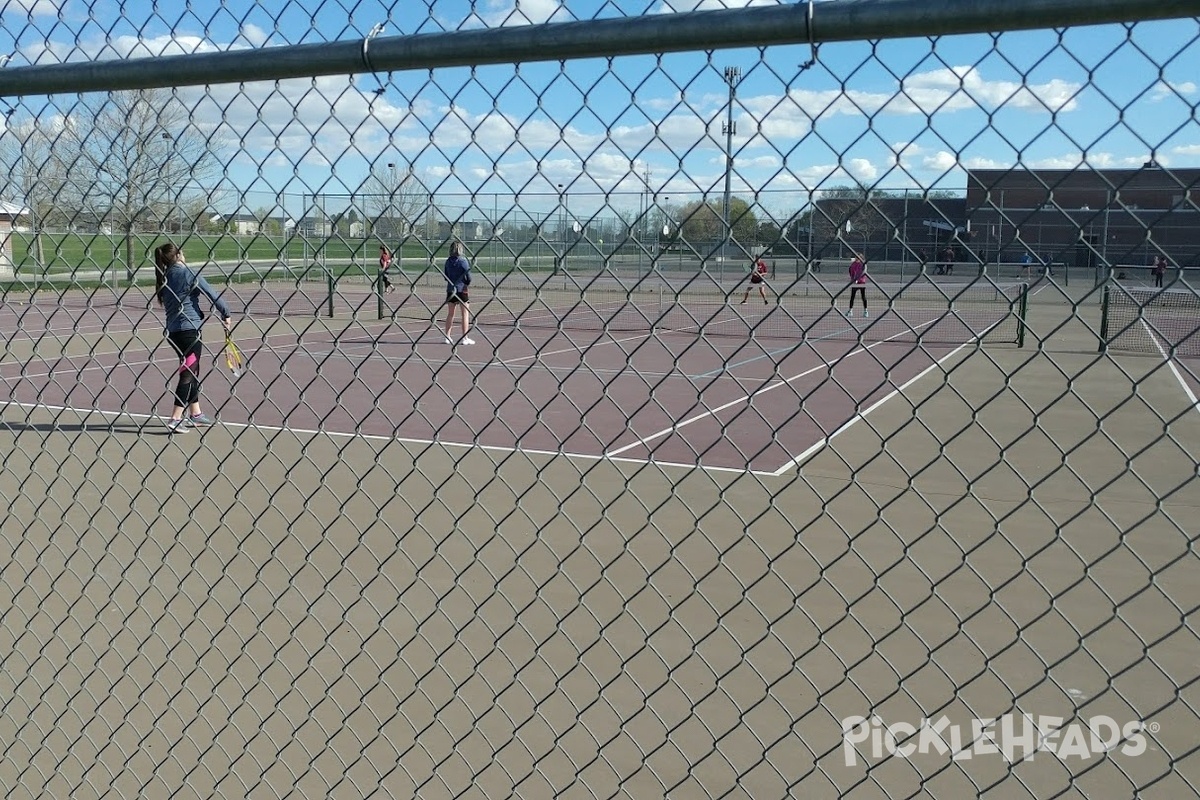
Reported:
(732, 76)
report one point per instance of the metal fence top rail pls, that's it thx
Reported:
(794, 23)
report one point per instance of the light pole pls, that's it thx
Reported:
(166, 182)
(562, 230)
(732, 76)
(391, 210)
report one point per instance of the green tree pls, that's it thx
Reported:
(767, 233)
(701, 221)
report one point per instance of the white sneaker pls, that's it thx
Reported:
(467, 340)
(447, 338)
(865, 315)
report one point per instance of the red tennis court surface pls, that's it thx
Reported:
(717, 403)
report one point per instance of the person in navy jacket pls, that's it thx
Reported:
(178, 289)
(458, 278)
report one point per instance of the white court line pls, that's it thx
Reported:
(730, 367)
(814, 449)
(579, 348)
(141, 347)
(747, 398)
(1174, 370)
(368, 437)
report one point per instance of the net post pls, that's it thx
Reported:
(1104, 296)
(379, 293)
(1022, 315)
(331, 282)
(658, 315)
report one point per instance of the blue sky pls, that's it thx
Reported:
(903, 114)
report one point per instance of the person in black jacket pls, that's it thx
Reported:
(178, 291)
(458, 278)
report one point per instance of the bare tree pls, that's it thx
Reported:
(132, 157)
(28, 156)
(395, 200)
(849, 214)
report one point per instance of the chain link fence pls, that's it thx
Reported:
(678, 512)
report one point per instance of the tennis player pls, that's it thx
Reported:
(858, 283)
(385, 262)
(458, 278)
(758, 277)
(178, 290)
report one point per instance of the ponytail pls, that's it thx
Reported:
(164, 256)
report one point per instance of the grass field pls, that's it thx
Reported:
(70, 252)
(92, 252)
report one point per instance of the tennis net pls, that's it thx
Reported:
(275, 293)
(922, 310)
(1150, 320)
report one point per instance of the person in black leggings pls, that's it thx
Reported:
(178, 290)
(1160, 269)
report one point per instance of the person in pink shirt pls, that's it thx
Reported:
(758, 274)
(385, 263)
(858, 283)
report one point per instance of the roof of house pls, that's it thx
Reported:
(12, 209)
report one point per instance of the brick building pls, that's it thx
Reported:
(1083, 217)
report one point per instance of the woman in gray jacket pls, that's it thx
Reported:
(178, 290)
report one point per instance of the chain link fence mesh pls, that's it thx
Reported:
(659, 529)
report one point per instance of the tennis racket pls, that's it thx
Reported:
(233, 356)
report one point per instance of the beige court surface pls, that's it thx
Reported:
(262, 613)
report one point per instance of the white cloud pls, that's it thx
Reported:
(121, 47)
(683, 6)
(983, 163)
(759, 162)
(964, 87)
(775, 118)
(1187, 150)
(605, 168)
(862, 170)
(255, 35)
(501, 13)
(903, 154)
(1092, 161)
(939, 91)
(35, 8)
(1164, 89)
(940, 161)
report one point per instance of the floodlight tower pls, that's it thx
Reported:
(732, 76)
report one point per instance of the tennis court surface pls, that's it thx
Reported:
(694, 377)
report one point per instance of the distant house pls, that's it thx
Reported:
(10, 217)
(240, 224)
